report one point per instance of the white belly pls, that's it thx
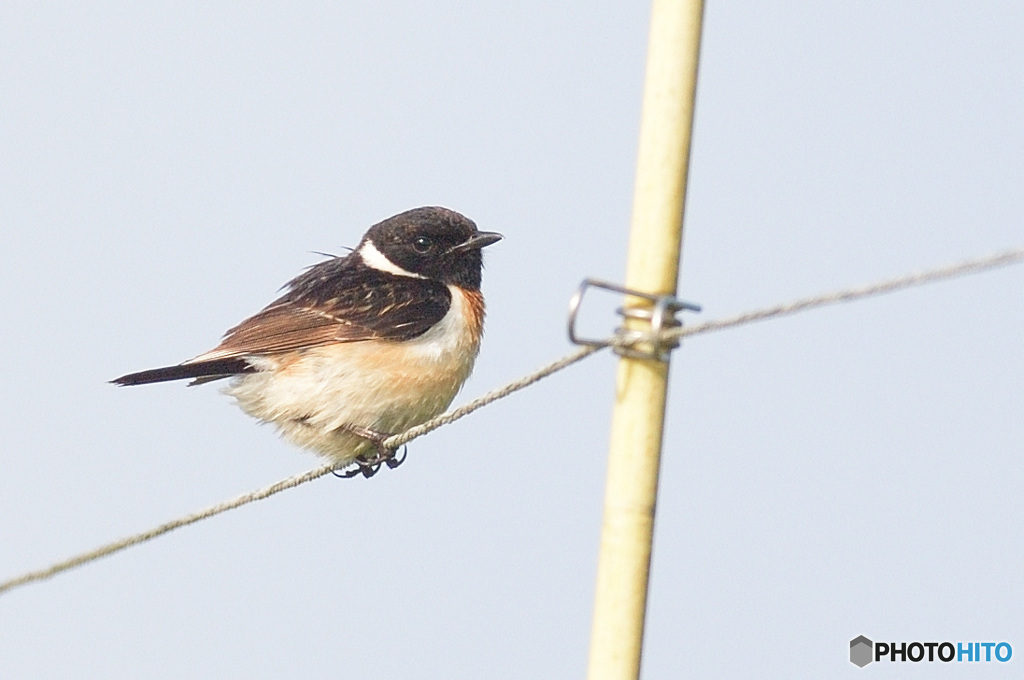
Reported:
(314, 395)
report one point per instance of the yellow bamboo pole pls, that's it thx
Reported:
(653, 267)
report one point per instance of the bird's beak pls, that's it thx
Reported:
(478, 240)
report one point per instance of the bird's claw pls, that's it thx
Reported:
(368, 466)
(349, 474)
(393, 461)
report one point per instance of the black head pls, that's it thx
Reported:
(435, 243)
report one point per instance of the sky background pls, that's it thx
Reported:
(165, 167)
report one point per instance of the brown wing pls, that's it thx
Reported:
(340, 300)
(334, 303)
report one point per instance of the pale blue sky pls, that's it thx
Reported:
(857, 470)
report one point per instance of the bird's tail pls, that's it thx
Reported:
(200, 372)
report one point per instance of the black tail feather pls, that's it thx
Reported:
(202, 371)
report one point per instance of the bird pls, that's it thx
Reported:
(360, 346)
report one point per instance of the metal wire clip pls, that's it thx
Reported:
(661, 317)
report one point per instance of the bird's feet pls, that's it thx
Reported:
(368, 465)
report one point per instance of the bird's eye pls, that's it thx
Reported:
(422, 244)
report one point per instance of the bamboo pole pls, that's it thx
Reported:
(653, 266)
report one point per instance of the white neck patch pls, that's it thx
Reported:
(376, 259)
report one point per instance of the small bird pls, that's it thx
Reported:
(362, 346)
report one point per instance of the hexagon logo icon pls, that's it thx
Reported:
(861, 650)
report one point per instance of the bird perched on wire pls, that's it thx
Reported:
(362, 346)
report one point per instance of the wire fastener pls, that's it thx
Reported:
(648, 343)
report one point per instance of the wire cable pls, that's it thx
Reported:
(972, 266)
(392, 442)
